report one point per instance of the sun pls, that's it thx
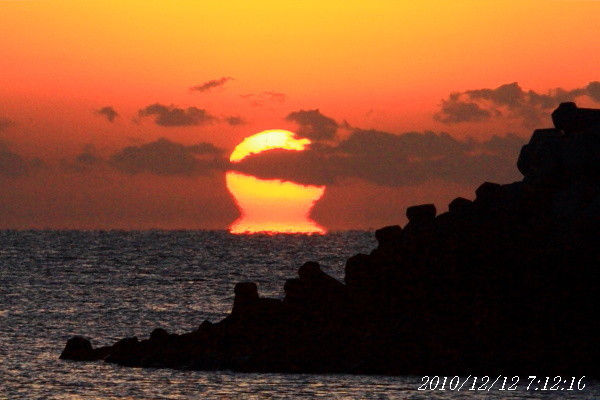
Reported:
(272, 205)
(268, 140)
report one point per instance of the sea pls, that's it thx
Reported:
(107, 285)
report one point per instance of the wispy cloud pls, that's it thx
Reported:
(208, 85)
(264, 98)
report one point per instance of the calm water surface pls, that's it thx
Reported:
(108, 285)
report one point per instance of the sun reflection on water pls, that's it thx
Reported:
(273, 206)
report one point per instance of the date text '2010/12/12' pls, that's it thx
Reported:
(485, 383)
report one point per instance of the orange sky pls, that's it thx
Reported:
(384, 65)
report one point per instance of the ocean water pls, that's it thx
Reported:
(109, 285)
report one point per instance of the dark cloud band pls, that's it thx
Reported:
(510, 101)
(392, 160)
(164, 157)
(174, 116)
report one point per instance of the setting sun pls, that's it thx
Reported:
(268, 140)
(272, 205)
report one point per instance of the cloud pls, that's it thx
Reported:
(275, 96)
(11, 163)
(455, 110)
(264, 98)
(413, 158)
(509, 101)
(206, 86)
(393, 160)
(593, 91)
(84, 161)
(88, 156)
(164, 157)
(306, 167)
(108, 112)
(205, 148)
(192, 116)
(235, 120)
(175, 116)
(314, 125)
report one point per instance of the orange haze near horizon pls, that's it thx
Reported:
(109, 109)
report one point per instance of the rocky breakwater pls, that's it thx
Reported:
(504, 284)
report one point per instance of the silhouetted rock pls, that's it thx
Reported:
(314, 292)
(389, 237)
(205, 326)
(489, 193)
(125, 352)
(357, 271)
(78, 349)
(571, 119)
(543, 147)
(421, 214)
(246, 296)
(460, 205)
(310, 271)
(269, 310)
(504, 284)
(159, 335)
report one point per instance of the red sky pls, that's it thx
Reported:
(385, 66)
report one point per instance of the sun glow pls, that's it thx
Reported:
(268, 140)
(272, 205)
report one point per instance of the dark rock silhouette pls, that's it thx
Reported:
(422, 214)
(80, 349)
(571, 119)
(246, 298)
(460, 205)
(389, 237)
(504, 284)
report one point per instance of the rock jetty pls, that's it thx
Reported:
(504, 284)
